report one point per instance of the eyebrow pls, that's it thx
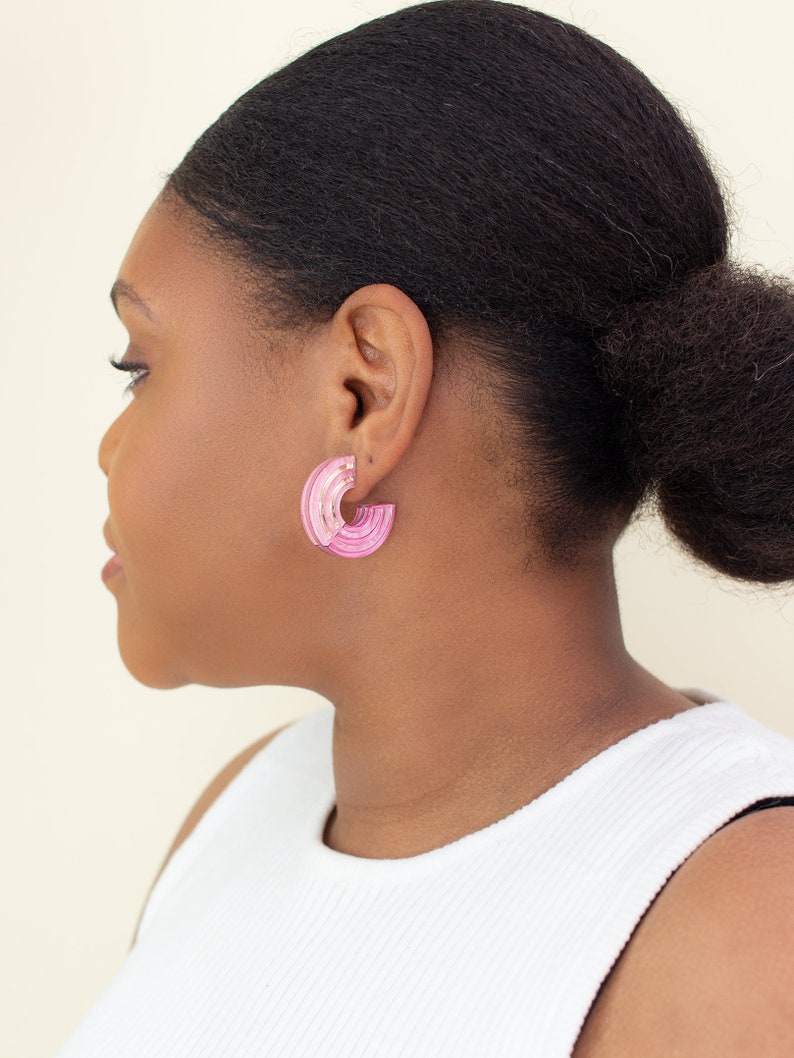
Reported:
(122, 289)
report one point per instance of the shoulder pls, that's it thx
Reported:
(710, 968)
(210, 794)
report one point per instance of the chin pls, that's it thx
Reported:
(152, 670)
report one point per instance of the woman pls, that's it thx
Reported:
(415, 326)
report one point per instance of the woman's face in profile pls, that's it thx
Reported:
(203, 489)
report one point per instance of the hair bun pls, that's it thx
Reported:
(706, 372)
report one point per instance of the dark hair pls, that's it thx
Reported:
(531, 190)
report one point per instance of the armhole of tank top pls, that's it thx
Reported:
(757, 806)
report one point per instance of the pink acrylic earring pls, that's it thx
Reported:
(322, 518)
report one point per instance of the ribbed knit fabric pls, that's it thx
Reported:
(259, 940)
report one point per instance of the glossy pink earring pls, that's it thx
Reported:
(322, 518)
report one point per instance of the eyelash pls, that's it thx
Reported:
(133, 367)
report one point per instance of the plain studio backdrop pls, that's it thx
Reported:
(98, 772)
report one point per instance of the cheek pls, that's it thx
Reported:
(153, 488)
(197, 509)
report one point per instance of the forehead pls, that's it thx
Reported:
(176, 274)
(163, 255)
(204, 309)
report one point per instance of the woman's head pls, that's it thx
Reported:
(549, 227)
(220, 584)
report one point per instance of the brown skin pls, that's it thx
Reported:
(464, 686)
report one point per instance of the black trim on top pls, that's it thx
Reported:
(768, 802)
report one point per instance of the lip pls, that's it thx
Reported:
(113, 564)
(111, 568)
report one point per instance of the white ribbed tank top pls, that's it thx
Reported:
(259, 940)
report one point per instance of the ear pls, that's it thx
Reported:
(381, 369)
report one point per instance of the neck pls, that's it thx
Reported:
(451, 725)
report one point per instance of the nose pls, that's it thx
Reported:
(107, 446)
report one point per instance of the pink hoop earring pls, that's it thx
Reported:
(322, 518)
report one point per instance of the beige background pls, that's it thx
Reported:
(97, 771)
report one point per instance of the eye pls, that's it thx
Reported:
(135, 368)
